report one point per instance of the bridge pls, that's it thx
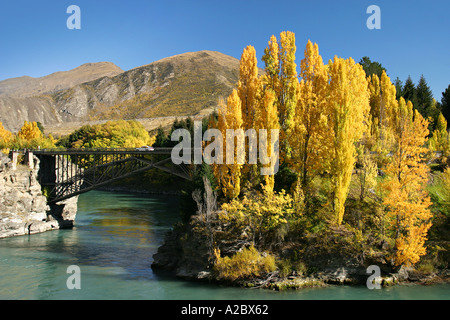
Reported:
(64, 173)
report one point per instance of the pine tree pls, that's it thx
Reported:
(409, 91)
(407, 200)
(349, 109)
(371, 68)
(424, 98)
(445, 103)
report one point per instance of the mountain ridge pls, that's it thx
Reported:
(27, 86)
(179, 85)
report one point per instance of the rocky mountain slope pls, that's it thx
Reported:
(180, 85)
(28, 86)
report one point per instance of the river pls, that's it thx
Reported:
(115, 237)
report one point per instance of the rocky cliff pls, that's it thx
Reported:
(23, 207)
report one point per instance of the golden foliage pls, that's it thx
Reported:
(261, 212)
(311, 126)
(349, 108)
(229, 175)
(29, 131)
(5, 136)
(245, 264)
(281, 76)
(439, 141)
(407, 199)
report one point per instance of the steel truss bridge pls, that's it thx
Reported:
(64, 173)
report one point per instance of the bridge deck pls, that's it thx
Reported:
(94, 151)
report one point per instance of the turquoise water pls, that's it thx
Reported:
(113, 243)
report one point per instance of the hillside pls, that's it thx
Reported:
(180, 85)
(27, 86)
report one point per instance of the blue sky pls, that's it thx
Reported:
(34, 39)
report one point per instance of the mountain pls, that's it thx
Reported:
(180, 85)
(28, 86)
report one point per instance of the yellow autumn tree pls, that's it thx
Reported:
(281, 76)
(248, 92)
(439, 141)
(267, 121)
(310, 120)
(29, 131)
(348, 108)
(383, 112)
(406, 197)
(228, 175)
(248, 86)
(5, 137)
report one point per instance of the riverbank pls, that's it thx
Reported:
(188, 254)
(23, 207)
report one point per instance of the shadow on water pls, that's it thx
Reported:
(122, 231)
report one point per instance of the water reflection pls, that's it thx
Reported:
(114, 239)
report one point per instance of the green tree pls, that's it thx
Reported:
(424, 98)
(161, 138)
(445, 103)
(409, 91)
(371, 67)
(398, 88)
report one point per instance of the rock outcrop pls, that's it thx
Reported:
(23, 207)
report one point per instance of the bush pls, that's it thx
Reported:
(243, 265)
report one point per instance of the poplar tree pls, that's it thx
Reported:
(348, 109)
(383, 108)
(268, 120)
(249, 92)
(281, 76)
(310, 120)
(407, 199)
(229, 174)
(248, 86)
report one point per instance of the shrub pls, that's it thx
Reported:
(243, 265)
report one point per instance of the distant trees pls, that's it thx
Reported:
(30, 136)
(371, 67)
(5, 137)
(112, 134)
(421, 98)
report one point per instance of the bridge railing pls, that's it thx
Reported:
(100, 151)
